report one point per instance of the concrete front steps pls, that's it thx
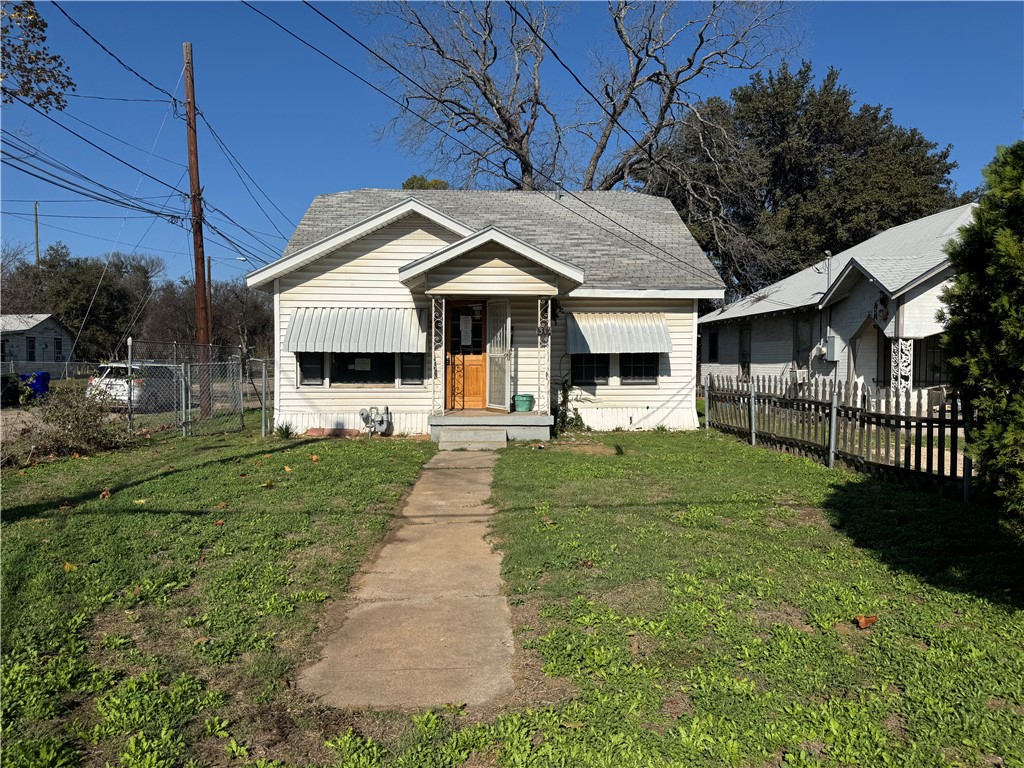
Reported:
(487, 431)
(472, 439)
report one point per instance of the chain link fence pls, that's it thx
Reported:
(163, 385)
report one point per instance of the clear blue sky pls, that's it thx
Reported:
(302, 127)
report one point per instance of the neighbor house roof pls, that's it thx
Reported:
(620, 240)
(896, 259)
(17, 323)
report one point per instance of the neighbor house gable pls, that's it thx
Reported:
(265, 276)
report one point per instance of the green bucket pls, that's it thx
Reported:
(523, 403)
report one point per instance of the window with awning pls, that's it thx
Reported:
(617, 332)
(358, 346)
(617, 348)
(356, 329)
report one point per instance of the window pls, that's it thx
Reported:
(412, 368)
(30, 347)
(311, 368)
(363, 368)
(58, 348)
(639, 367)
(589, 369)
(883, 365)
(803, 329)
(712, 346)
(3, 349)
(930, 367)
(745, 351)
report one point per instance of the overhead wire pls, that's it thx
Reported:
(231, 157)
(114, 56)
(674, 259)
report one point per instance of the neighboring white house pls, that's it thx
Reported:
(34, 339)
(868, 313)
(444, 305)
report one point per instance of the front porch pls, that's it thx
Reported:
(515, 425)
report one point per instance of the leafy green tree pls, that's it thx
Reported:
(422, 182)
(30, 71)
(786, 169)
(984, 336)
(103, 297)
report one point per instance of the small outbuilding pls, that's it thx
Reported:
(39, 338)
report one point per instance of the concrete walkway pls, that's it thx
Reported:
(426, 622)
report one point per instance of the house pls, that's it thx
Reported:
(867, 314)
(444, 305)
(34, 339)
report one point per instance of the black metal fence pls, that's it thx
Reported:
(916, 436)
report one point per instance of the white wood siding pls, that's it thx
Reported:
(918, 315)
(361, 274)
(670, 403)
(491, 271)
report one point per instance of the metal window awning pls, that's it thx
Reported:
(600, 332)
(356, 329)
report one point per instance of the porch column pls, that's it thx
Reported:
(902, 365)
(544, 356)
(437, 355)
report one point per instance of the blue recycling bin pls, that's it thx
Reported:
(38, 383)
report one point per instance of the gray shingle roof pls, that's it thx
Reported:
(893, 258)
(15, 323)
(604, 233)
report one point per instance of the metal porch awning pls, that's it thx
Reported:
(600, 332)
(356, 329)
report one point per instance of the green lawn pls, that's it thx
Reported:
(699, 594)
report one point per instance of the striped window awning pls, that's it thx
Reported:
(600, 332)
(356, 329)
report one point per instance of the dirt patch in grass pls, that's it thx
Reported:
(896, 725)
(784, 614)
(677, 704)
(646, 597)
(486, 759)
(594, 449)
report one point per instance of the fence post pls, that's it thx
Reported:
(131, 388)
(184, 412)
(968, 462)
(241, 389)
(833, 420)
(263, 402)
(753, 417)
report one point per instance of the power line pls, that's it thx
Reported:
(98, 147)
(86, 234)
(115, 197)
(122, 141)
(117, 98)
(231, 156)
(114, 56)
(57, 181)
(66, 215)
(675, 260)
(174, 101)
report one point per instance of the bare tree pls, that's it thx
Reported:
(476, 73)
(474, 70)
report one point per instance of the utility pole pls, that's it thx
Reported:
(196, 195)
(37, 234)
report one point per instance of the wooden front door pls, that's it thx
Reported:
(466, 353)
